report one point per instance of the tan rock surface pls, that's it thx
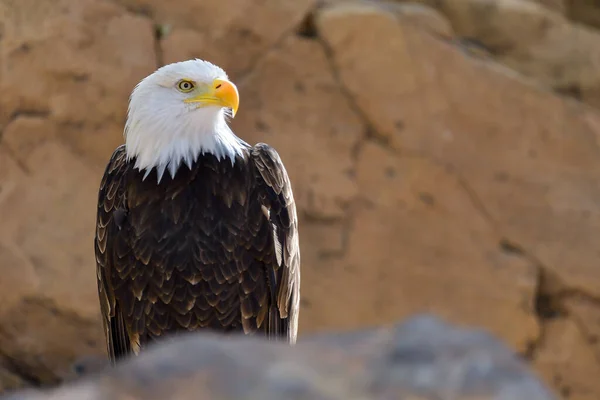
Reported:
(48, 311)
(234, 34)
(426, 180)
(533, 38)
(518, 140)
(566, 360)
(426, 18)
(555, 5)
(584, 11)
(528, 161)
(10, 381)
(75, 61)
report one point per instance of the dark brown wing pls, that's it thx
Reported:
(283, 272)
(111, 212)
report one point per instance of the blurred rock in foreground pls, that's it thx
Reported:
(422, 358)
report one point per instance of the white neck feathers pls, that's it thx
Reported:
(164, 140)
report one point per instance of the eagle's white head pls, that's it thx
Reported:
(179, 112)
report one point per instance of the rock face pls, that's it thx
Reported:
(435, 166)
(536, 38)
(423, 358)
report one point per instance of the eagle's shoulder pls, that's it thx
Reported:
(271, 168)
(115, 169)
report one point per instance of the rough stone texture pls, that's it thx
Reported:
(233, 34)
(426, 18)
(555, 5)
(426, 179)
(565, 358)
(453, 124)
(67, 68)
(568, 349)
(421, 359)
(525, 159)
(534, 38)
(74, 61)
(585, 11)
(48, 308)
(10, 381)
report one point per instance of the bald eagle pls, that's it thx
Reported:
(195, 228)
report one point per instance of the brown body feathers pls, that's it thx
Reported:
(215, 247)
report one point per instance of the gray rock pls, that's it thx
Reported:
(423, 358)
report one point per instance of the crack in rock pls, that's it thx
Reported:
(23, 112)
(591, 339)
(545, 309)
(549, 294)
(539, 298)
(371, 132)
(21, 371)
(257, 60)
(550, 300)
(160, 32)
(27, 113)
(20, 164)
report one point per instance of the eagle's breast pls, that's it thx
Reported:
(196, 241)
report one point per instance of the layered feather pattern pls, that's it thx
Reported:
(197, 250)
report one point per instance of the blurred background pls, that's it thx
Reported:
(444, 155)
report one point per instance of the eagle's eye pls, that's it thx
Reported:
(185, 86)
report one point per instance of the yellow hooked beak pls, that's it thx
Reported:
(221, 93)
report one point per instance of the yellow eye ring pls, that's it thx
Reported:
(185, 86)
